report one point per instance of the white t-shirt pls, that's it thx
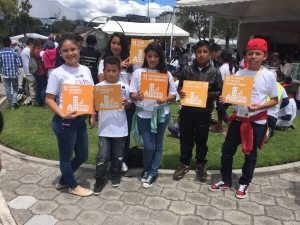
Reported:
(113, 123)
(175, 63)
(290, 109)
(177, 94)
(275, 109)
(125, 77)
(148, 105)
(224, 70)
(264, 85)
(67, 75)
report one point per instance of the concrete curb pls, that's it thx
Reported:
(263, 171)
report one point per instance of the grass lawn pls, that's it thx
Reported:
(28, 130)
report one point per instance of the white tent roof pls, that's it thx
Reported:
(16, 38)
(247, 10)
(144, 29)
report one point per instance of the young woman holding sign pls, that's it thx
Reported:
(151, 116)
(70, 129)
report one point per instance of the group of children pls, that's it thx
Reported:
(247, 125)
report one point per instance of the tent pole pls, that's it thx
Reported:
(172, 33)
(210, 27)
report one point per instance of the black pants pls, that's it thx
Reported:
(194, 128)
(233, 139)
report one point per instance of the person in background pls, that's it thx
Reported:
(226, 68)
(49, 56)
(70, 129)
(215, 53)
(90, 56)
(287, 114)
(30, 79)
(79, 39)
(10, 62)
(286, 67)
(41, 73)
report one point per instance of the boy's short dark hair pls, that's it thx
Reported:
(215, 47)
(91, 40)
(288, 80)
(112, 60)
(202, 43)
(78, 38)
(29, 41)
(290, 90)
(6, 42)
(280, 76)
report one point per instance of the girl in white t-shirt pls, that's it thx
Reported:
(118, 46)
(151, 116)
(70, 129)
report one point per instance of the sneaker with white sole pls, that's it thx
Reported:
(124, 168)
(219, 186)
(242, 191)
(150, 181)
(144, 177)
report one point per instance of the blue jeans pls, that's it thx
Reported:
(110, 148)
(12, 98)
(41, 82)
(71, 136)
(153, 144)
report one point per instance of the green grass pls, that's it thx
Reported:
(28, 130)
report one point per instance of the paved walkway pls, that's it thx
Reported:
(28, 190)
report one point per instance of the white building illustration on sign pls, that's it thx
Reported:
(77, 106)
(193, 99)
(152, 92)
(139, 57)
(108, 103)
(236, 96)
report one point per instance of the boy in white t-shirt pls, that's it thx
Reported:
(287, 114)
(248, 124)
(112, 130)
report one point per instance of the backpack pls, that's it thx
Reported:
(32, 66)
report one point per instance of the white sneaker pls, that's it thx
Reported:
(124, 167)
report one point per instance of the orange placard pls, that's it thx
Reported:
(137, 50)
(238, 89)
(154, 85)
(107, 97)
(196, 93)
(79, 98)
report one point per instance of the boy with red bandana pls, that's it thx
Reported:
(248, 124)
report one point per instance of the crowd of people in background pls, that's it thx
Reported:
(36, 72)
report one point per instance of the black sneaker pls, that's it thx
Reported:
(98, 187)
(201, 172)
(115, 181)
(150, 181)
(144, 176)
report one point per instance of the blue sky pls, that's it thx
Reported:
(160, 2)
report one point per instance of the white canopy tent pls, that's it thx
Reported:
(278, 21)
(247, 11)
(15, 39)
(143, 29)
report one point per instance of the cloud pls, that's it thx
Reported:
(94, 8)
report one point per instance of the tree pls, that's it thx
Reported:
(224, 27)
(194, 22)
(63, 25)
(24, 22)
(9, 10)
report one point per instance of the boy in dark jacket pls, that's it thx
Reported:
(194, 122)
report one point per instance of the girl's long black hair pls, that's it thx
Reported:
(226, 57)
(124, 45)
(154, 46)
